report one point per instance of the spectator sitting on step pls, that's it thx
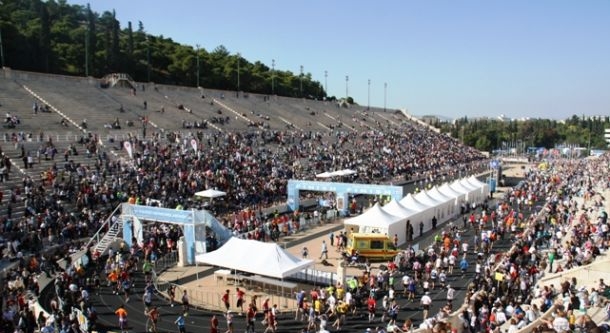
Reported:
(116, 124)
(64, 122)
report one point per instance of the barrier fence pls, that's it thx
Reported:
(212, 300)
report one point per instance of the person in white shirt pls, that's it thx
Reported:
(513, 328)
(452, 259)
(561, 323)
(450, 294)
(425, 302)
(500, 316)
(405, 285)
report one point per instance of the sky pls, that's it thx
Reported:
(475, 58)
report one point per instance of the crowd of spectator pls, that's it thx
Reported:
(253, 169)
(543, 220)
(509, 293)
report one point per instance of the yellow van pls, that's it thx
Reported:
(372, 246)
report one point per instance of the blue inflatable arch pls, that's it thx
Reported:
(342, 191)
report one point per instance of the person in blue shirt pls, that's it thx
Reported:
(181, 322)
(464, 265)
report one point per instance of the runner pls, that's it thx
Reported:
(122, 314)
(185, 303)
(181, 322)
(213, 324)
(152, 319)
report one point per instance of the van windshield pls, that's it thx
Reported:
(377, 245)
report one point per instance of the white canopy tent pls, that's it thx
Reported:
(475, 191)
(345, 172)
(425, 212)
(324, 174)
(468, 192)
(375, 219)
(211, 194)
(396, 208)
(484, 186)
(460, 197)
(267, 259)
(338, 173)
(439, 207)
(449, 203)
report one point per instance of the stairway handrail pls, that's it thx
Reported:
(96, 236)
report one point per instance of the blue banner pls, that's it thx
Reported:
(342, 190)
(159, 214)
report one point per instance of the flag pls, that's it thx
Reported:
(128, 148)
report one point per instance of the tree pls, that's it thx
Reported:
(44, 46)
(115, 54)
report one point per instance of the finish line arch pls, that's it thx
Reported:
(193, 223)
(342, 191)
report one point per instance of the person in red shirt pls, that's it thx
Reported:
(371, 304)
(240, 300)
(250, 319)
(225, 299)
(153, 316)
(214, 324)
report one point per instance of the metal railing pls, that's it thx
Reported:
(212, 300)
(100, 232)
(165, 262)
(291, 227)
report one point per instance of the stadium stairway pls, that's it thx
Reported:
(77, 99)
(39, 167)
(18, 102)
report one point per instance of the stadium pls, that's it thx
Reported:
(186, 206)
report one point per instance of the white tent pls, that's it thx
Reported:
(484, 186)
(449, 191)
(255, 257)
(339, 173)
(426, 212)
(413, 216)
(211, 193)
(396, 209)
(439, 207)
(375, 219)
(468, 192)
(345, 172)
(450, 202)
(475, 191)
(324, 174)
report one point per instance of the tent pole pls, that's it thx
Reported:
(194, 244)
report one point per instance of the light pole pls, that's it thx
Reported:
(272, 76)
(385, 95)
(87, 52)
(197, 45)
(346, 87)
(148, 58)
(301, 81)
(1, 50)
(369, 96)
(238, 57)
(326, 82)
